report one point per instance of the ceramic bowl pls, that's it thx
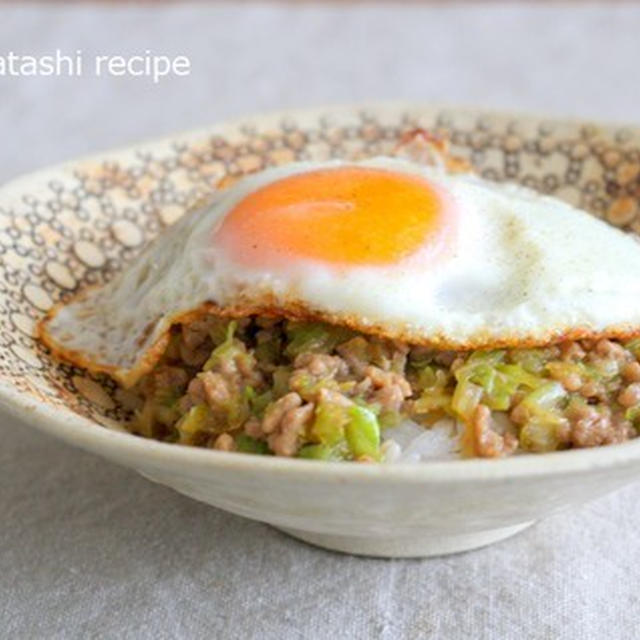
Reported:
(76, 225)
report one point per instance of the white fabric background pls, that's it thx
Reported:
(89, 550)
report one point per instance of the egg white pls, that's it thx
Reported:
(525, 268)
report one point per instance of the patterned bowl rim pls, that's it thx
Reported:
(82, 432)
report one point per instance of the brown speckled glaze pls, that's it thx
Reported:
(72, 226)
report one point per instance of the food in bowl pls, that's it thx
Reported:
(384, 309)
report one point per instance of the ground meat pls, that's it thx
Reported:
(386, 388)
(630, 396)
(445, 358)
(360, 352)
(242, 369)
(221, 386)
(217, 389)
(355, 354)
(274, 415)
(399, 355)
(255, 386)
(314, 371)
(488, 443)
(334, 397)
(631, 372)
(253, 428)
(592, 390)
(196, 345)
(224, 442)
(196, 333)
(164, 378)
(592, 427)
(195, 356)
(285, 423)
(129, 400)
(611, 350)
(571, 382)
(321, 365)
(571, 351)
(457, 363)
(195, 391)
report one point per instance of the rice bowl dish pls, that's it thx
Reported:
(380, 311)
(74, 229)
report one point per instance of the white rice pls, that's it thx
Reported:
(410, 442)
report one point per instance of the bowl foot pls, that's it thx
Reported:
(413, 546)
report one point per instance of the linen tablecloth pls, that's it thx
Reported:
(89, 550)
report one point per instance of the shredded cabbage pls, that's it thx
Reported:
(319, 452)
(195, 421)
(314, 337)
(227, 349)
(465, 399)
(255, 362)
(257, 402)
(328, 426)
(247, 444)
(543, 419)
(363, 433)
(634, 347)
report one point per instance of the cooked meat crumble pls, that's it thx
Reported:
(312, 390)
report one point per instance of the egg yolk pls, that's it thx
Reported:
(345, 215)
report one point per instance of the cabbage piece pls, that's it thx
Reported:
(192, 423)
(328, 427)
(539, 436)
(362, 432)
(632, 414)
(327, 433)
(466, 398)
(227, 349)
(220, 329)
(315, 452)
(309, 386)
(144, 419)
(519, 375)
(357, 348)
(160, 408)
(604, 369)
(420, 360)
(388, 418)
(559, 369)
(499, 381)
(315, 337)
(634, 347)
(247, 444)
(479, 372)
(165, 405)
(430, 376)
(531, 360)
(435, 395)
(504, 381)
(257, 402)
(479, 367)
(321, 452)
(237, 412)
(543, 420)
(280, 385)
(166, 415)
(543, 402)
(436, 399)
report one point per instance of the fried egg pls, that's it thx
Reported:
(385, 246)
